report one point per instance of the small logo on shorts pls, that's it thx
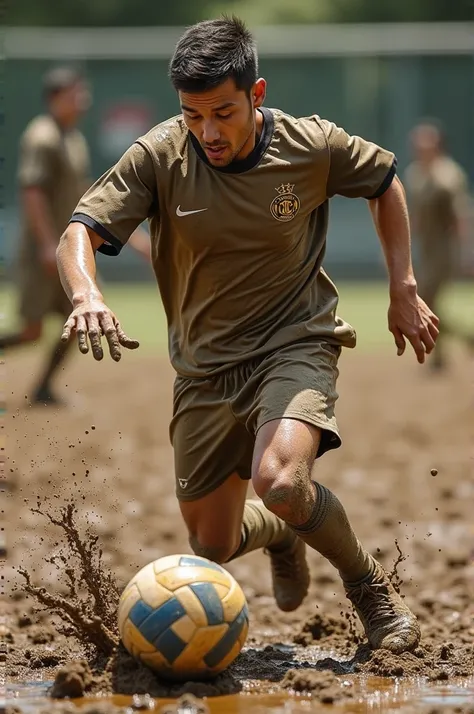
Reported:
(286, 205)
(182, 482)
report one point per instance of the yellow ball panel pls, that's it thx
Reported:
(233, 603)
(202, 642)
(192, 605)
(156, 661)
(243, 635)
(227, 661)
(184, 628)
(134, 641)
(128, 599)
(153, 594)
(177, 577)
(169, 561)
(222, 590)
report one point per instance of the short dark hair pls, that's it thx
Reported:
(213, 51)
(58, 79)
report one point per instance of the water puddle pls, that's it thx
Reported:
(372, 695)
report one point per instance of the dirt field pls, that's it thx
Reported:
(404, 473)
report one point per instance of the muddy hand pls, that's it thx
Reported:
(409, 317)
(93, 320)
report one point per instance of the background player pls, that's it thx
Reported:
(439, 205)
(53, 174)
(237, 197)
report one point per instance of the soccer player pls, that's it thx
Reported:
(237, 199)
(53, 174)
(438, 200)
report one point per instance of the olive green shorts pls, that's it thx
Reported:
(215, 419)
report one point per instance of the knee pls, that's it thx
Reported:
(218, 552)
(279, 482)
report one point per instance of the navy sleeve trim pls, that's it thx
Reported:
(112, 246)
(386, 183)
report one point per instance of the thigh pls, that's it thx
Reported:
(298, 383)
(209, 444)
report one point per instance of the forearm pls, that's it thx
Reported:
(76, 263)
(39, 218)
(390, 216)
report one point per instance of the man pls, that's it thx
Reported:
(237, 199)
(53, 174)
(438, 199)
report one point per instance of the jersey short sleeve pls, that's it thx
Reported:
(36, 165)
(357, 168)
(120, 200)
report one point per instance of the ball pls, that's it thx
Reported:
(183, 616)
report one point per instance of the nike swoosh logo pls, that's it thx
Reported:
(181, 213)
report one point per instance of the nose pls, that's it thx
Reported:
(210, 133)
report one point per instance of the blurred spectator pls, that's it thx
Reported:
(53, 173)
(439, 205)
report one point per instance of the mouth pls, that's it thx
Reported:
(215, 152)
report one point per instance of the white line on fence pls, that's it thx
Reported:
(273, 41)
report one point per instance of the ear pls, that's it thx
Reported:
(259, 91)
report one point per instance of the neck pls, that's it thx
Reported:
(254, 136)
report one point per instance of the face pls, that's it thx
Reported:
(426, 142)
(70, 104)
(224, 120)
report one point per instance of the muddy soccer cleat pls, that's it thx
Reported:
(290, 574)
(388, 623)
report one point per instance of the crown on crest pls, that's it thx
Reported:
(285, 188)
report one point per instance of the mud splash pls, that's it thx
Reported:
(88, 612)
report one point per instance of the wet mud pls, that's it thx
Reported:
(91, 500)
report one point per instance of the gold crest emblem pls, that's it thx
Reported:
(286, 205)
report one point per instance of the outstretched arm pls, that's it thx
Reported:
(408, 315)
(105, 219)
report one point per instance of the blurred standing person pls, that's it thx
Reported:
(53, 173)
(438, 200)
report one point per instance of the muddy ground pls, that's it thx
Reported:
(404, 473)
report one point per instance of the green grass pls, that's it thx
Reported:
(364, 305)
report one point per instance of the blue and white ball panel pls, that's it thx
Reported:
(192, 605)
